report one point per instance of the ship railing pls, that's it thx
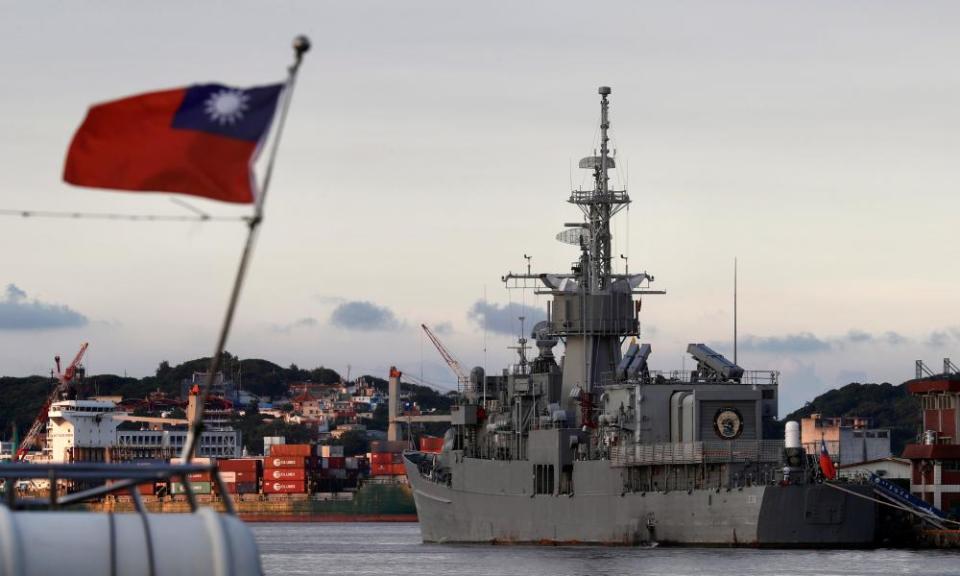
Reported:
(697, 452)
(106, 479)
(750, 377)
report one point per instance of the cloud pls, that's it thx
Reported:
(807, 342)
(505, 319)
(859, 336)
(442, 328)
(801, 343)
(893, 338)
(364, 316)
(937, 339)
(301, 323)
(17, 313)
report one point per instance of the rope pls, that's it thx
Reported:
(114, 216)
(929, 517)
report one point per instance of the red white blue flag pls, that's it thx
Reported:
(826, 464)
(201, 140)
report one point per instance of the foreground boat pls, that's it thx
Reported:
(600, 449)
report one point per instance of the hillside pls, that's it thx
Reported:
(887, 405)
(21, 398)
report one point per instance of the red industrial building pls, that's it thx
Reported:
(935, 462)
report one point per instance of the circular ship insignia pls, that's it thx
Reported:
(728, 423)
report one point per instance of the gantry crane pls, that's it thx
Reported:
(463, 381)
(63, 383)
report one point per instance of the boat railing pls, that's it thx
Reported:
(104, 478)
(750, 377)
(697, 452)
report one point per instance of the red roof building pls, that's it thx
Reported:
(935, 462)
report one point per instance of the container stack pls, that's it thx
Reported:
(200, 482)
(386, 458)
(286, 469)
(333, 464)
(241, 476)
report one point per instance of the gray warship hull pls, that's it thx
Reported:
(484, 504)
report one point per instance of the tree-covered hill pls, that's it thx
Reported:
(21, 398)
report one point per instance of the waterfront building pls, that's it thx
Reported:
(935, 458)
(849, 439)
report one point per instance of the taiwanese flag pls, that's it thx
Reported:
(201, 140)
(826, 464)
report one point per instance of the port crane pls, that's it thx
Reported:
(463, 380)
(64, 379)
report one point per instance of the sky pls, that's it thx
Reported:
(430, 145)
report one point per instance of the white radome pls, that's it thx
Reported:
(226, 106)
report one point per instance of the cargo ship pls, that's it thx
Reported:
(294, 483)
(601, 448)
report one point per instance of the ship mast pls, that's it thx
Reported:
(599, 206)
(592, 309)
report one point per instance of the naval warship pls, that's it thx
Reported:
(601, 449)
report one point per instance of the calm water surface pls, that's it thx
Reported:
(395, 549)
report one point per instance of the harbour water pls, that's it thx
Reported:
(389, 549)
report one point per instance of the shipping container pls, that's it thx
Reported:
(291, 450)
(241, 487)
(286, 462)
(198, 487)
(238, 465)
(195, 460)
(335, 462)
(331, 451)
(270, 474)
(431, 444)
(351, 463)
(338, 473)
(386, 458)
(388, 446)
(148, 489)
(200, 477)
(284, 487)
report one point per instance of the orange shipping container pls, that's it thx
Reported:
(286, 462)
(432, 444)
(291, 450)
(284, 487)
(270, 474)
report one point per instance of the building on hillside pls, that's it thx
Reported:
(935, 458)
(849, 439)
(307, 405)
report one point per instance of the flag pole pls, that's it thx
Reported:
(301, 44)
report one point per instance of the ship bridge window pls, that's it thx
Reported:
(543, 478)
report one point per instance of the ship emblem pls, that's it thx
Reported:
(728, 423)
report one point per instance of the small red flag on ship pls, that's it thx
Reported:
(826, 464)
(201, 140)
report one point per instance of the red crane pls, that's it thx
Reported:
(462, 379)
(63, 382)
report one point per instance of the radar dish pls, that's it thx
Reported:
(574, 236)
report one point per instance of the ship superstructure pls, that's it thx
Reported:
(600, 448)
